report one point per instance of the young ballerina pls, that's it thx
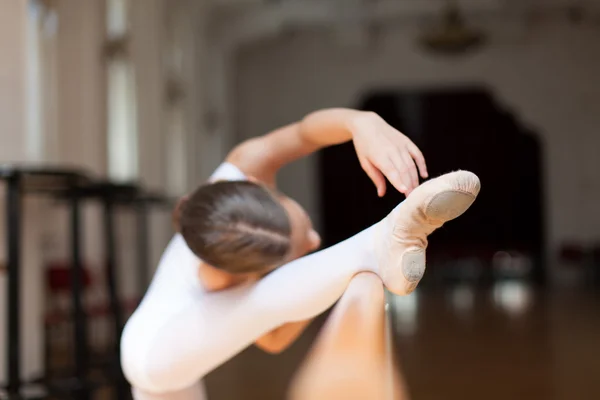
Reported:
(210, 299)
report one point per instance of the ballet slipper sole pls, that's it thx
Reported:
(442, 207)
(450, 205)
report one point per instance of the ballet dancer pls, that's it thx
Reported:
(221, 284)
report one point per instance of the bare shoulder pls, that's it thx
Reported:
(254, 157)
(246, 154)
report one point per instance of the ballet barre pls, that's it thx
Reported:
(353, 356)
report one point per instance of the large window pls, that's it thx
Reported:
(122, 114)
(41, 82)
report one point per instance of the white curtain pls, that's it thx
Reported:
(122, 135)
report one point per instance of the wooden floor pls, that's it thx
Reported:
(506, 342)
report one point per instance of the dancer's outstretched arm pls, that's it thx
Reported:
(381, 149)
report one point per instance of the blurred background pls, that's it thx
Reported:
(144, 98)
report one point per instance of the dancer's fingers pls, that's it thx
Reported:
(375, 175)
(417, 155)
(412, 169)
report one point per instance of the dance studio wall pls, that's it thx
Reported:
(73, 133)
(545, 74)
(79, 120)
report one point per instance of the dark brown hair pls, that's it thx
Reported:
(237, 226)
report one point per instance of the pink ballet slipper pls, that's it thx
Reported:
(401, 238)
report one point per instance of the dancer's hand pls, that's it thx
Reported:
(384, 151)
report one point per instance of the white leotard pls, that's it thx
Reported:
(180, 332)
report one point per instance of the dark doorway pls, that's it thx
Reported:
(456, 128)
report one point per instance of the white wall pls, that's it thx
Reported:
(12, 79)
(547, 75)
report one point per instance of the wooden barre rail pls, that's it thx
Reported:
(352, 358)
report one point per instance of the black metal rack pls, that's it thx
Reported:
(72, 186)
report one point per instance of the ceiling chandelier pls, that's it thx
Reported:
(451, 35)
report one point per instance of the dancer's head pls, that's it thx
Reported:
(243, 227)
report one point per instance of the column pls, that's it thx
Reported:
(18, 104)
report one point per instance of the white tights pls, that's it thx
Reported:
(180, 333)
